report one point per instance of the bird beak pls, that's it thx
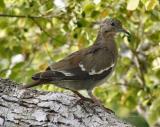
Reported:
(127, 34)
(124, 31)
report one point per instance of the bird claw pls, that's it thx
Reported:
(92, 100)
(86, 99)
(83, 99)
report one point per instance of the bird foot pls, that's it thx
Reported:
(92, 100)
(82, 98)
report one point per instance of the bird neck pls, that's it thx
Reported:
(107, 39)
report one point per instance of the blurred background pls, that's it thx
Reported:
(36, 33)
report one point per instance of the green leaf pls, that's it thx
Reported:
(136, 119)
(132, 4)
(89, 8)
(150, 4)
(144, 1)
(2, 5)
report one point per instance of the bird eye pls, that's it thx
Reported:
(112, 24)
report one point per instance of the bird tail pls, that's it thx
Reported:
(44, 77)
(32, 84)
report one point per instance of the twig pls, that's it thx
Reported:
(138, 66)
(140, 70)
(21, 16)
(42, 29)
(32, 18)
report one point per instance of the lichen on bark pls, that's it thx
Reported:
(26, 108)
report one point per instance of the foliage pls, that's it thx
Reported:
(35, 33)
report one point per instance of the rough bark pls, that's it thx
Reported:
(32, 108)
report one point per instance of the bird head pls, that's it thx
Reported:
(111, 27)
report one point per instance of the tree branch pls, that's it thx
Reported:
(33, 18)
(21, 16)
(26, 108)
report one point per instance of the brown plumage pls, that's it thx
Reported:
(86, 68)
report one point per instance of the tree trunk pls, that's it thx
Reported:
(32, 108)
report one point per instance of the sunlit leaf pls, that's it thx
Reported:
(89, 8)
(132, 4)
(150, 4)
(2, 5)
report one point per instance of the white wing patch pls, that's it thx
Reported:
(66, 73)
(93, 72)
(63, 72)
(82, 67)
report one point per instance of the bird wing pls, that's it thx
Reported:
(97, 61)
(81, 65)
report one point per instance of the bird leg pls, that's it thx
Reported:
(82, 98)
(98, 102)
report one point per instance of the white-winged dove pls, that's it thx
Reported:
(88, 67)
